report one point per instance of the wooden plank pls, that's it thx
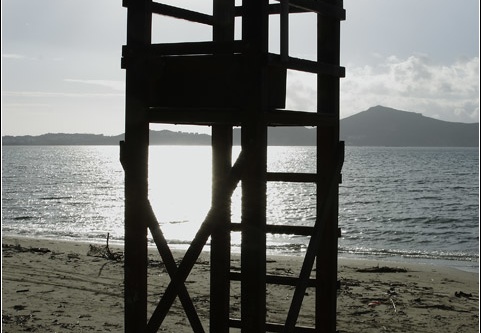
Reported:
(305, 6)
(298, 118)
(289, 230)
(183, 48)
(180, 13)
(235, 117)
(292, 177)
(321, 7)
(189, 48)
(195, 116)
(308, 66)
(280, 229)
(274, 279)
(273, 327)
(274, 8)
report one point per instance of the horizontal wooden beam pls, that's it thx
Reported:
(304, 6)
(195, 116)
(273, 327)
(234, 117)
(280, 229)
(274, 8)
(180, 13)
(319, 7)
(234, 47)
(274, 279)
(185, 48)
(192, 48)
(300, 118)
(309, 66)
(292, 177)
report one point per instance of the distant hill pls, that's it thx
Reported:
(163, 137)
(377, 126)
(63, 139)
(382, 126)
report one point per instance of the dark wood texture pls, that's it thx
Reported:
(224, 83)
(135, 156)
(223, 31)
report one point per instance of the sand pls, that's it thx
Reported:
(54, 286)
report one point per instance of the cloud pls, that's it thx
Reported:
(301, 94)
(14, 56)
(112, 84)
(448, 92)
(45, 94)
(39, 112)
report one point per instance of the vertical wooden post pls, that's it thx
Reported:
(135, 156)
(254, 143)
(284, 30)
(220, 239)
(253, 248)
(223, 30)
(328, 46)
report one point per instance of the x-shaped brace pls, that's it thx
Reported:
(179, 274)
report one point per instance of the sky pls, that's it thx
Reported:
(61, 60)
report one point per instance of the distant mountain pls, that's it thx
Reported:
(382, 126)
(377, 126)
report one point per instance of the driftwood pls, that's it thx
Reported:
(18, 248)
(104, 252)
(383, 269)
(393, 304)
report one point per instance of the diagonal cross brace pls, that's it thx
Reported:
(166, 254)
(171, 267)
(312, 248)
(192, 254)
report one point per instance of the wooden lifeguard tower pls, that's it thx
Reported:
(222, 83)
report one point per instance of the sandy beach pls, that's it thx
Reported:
(54, 286)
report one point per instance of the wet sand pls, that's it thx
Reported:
(55, 286)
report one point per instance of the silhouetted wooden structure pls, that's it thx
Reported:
(223, 83)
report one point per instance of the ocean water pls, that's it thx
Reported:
(408, 204)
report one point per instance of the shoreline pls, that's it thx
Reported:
(54, 285)
(463, 265)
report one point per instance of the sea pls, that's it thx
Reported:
(400, 204)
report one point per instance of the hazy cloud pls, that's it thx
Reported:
(14, 56)
(417, 84)
(62, 60)
(450, 92)
(45, 94)
(112, 84)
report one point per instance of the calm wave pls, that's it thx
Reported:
(395, 203)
